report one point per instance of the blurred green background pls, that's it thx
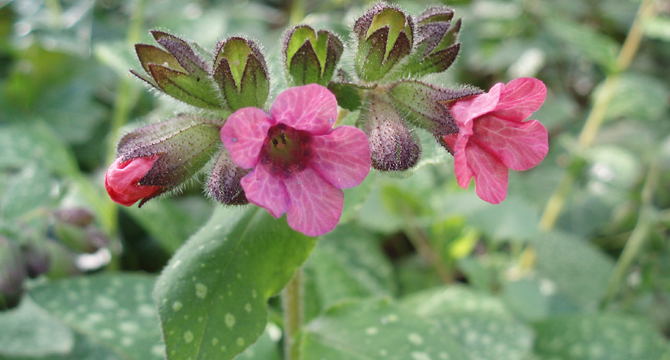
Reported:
(593, 285)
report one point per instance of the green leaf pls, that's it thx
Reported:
(593, 337)
(348, 95)
(29, 331)
(375, 329)
(580, 271)
(171, 221)
(32, 187)
(480, 322)
(267, 346)
(356, 196)
(658, 27)
(113, 310)
(594, 45)
(212, 295)
(35, 142)
(349, 263)
(513, 219)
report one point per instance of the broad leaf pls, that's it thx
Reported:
(113, 310)
(376, 329)
(579, 270)
(212, 295)
(593, 337)
(29, 331)
(480, 322)
(348, 263)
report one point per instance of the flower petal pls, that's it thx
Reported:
(463, 172)
(316, 205)
(466, 110)
(311, 108)
(520, 98)
(123, 177)
(342, 157)
(266, 191)
(490, 174)
(520, 146)
(243, 135)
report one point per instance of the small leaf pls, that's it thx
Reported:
(480, 322)
(375, 330)
(27, 190)
(212, 295)
(638, 97)
(113, 310)
(592, 337)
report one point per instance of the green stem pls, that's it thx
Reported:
(637, 238)
(297, 12)
(597, 114)
(126, 97)
(419, 239)
(293, 315)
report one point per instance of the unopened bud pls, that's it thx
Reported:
(311, 56)
(392, 145)
(75, 216)
(424, 105)
(224, 181)
(436, 47)
(12, 274)
(168, 153)
(241, 73)
(385, 36)
(179, 72)
(36, 257)
(79, 239)
(62, 261)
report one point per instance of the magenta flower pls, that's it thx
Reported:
(300, 163)
(123, 177)
(493, 136)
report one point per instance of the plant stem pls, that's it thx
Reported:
(637, 237)
(419, 239)
(297, 12)
(293, 315)
(597, 114)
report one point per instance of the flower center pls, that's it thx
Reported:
(286, 150)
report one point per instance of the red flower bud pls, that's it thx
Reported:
(123, 177)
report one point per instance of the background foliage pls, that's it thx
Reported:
(418, 268)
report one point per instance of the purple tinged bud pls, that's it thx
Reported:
(62, 261)
(36, 257)
(241, 73)
(185, 144)
(224, 181)
(385, 36)
(393, 146)
(310, 56)
(75, 216)
(179, 72)
(425, 105)
(436, 47)
(12, 274)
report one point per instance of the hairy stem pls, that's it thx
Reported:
(597, 114)
(637, 238)
(419, 239)
(293, 315)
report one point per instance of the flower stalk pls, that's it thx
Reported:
(293, 315)
(597, 115)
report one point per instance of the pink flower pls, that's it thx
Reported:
(300, 163)
(123, 177)
(493, 136)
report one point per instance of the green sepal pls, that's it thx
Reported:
(348, 95)
(196, 91)
(183, 144)
(385, 36)
(246, 83)
(310, 56)
(223, 184)
(304, 67)
(436, 48)
(425, 106)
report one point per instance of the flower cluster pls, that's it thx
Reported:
(294, 159)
